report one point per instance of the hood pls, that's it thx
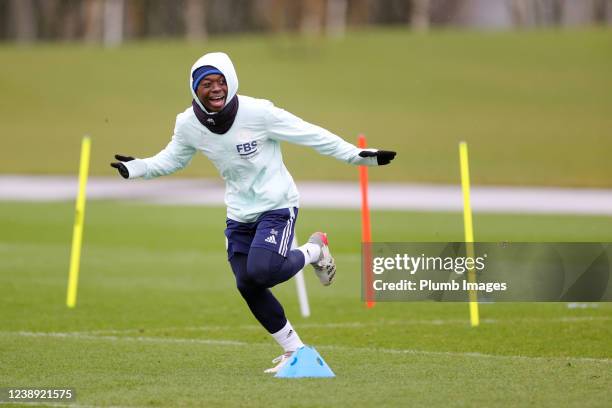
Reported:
(222, 62)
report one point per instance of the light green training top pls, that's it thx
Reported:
(248, 156)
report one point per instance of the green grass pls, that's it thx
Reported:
(534, 106)
(157, 305)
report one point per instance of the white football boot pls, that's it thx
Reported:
(325, 267)
(280, 362)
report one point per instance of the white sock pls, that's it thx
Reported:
(287, 338)
(312, 252)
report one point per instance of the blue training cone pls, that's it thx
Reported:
(305, 362)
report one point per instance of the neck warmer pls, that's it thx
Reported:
(218, 122)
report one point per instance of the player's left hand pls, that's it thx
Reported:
(382, 156)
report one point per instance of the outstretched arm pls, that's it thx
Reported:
(175, 156)
(285, 126)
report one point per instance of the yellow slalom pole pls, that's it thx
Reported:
(77, 233)
(469, 230)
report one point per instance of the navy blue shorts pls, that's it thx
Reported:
(273, 230)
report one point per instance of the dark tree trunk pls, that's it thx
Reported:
(23, 17)
(335, 17)
(195, 19)
(419, 15)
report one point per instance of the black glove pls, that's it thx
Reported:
(382, 156)
(120, 166)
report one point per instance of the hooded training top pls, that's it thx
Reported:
(248, 155)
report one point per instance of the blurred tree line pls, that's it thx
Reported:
(113, 21)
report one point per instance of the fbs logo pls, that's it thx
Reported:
(247, 149)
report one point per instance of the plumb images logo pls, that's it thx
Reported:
(457, 265)
(497, 272)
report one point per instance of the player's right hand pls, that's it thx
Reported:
(120, 166)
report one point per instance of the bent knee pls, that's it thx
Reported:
(261, 266)
(258, 274)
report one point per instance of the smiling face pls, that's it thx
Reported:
(212, 92)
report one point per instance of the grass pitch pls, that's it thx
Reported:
(534, 106)
(159, 322)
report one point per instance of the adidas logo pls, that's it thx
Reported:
(271, 239)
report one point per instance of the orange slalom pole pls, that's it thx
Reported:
(366, 232)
